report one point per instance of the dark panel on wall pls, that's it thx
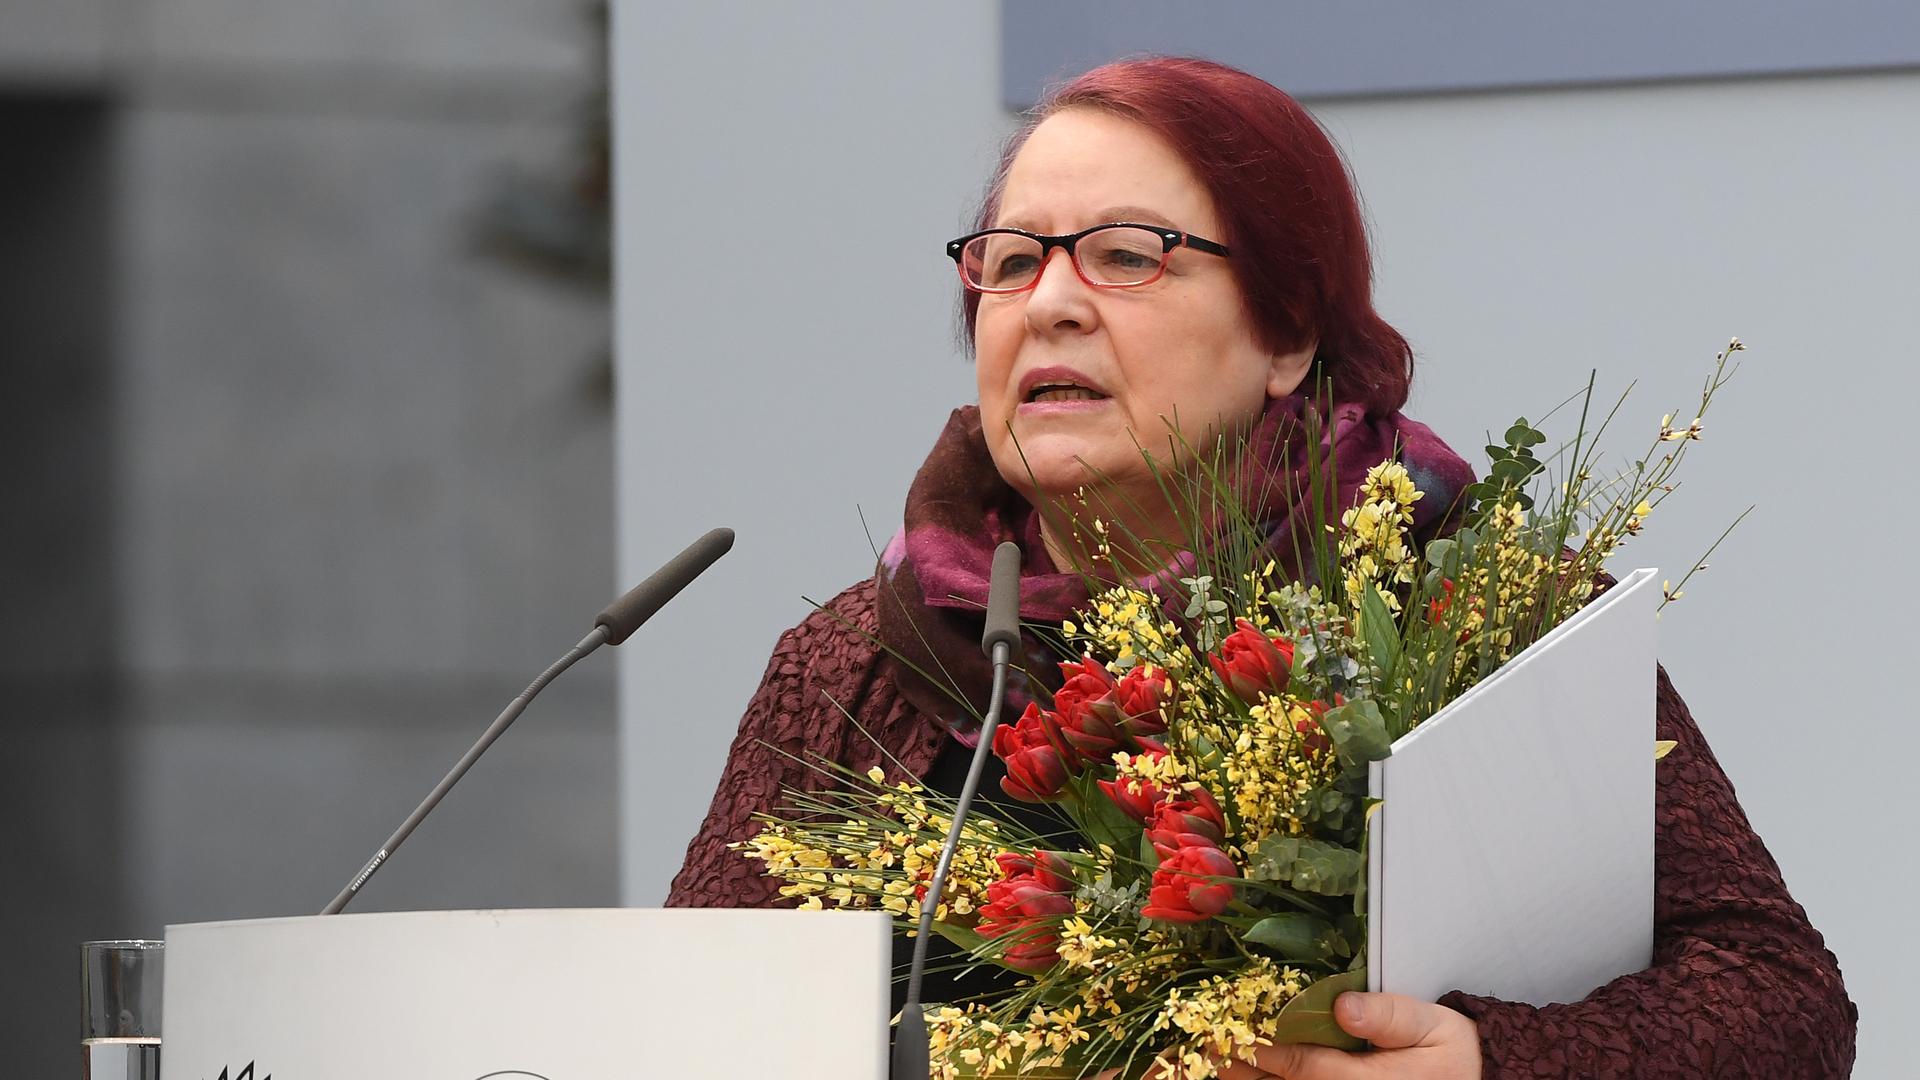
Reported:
(60, 762)
(1315, 49)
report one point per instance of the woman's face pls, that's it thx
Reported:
(1180, 354)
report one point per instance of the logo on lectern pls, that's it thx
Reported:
(244, 1074)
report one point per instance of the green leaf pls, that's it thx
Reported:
(1299, 937)
(1312, 866)
(1512, 472)
(1327, 809)
(1382, 631)
(1308, 1018)
(1205, 753)
(1098, 817)
(1371, 805)
(1358, 731)
(961, 937)
(1523, 434)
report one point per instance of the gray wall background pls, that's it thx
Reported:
(1523, 238)
(302, 484)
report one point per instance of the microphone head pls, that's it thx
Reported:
(1003, 599)
(625, 615)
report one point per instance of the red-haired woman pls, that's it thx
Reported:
(1174, 243)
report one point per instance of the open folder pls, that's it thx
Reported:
(1512, 853)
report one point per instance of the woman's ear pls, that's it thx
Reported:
(1286, 371)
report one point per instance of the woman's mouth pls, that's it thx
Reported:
(1051, 392)
(1058, 388)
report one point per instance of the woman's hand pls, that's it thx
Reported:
(1412, 1040)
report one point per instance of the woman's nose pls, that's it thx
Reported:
(1060, 300)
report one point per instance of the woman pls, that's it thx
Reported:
(1241, 275)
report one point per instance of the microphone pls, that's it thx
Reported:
(612, 627)
(997, 641)
(625, 615)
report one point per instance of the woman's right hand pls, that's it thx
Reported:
(1412, 1040)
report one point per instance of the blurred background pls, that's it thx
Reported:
(316, 448)
(305, 341)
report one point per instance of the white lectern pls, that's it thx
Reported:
(530, 995)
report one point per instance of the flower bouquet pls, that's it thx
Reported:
(1207, 757)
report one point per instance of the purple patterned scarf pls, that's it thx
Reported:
(933, 574)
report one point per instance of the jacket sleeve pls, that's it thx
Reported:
(820, 670)
(1741, 985)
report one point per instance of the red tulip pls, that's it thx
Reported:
(1315, 737)
(1141, 693)
(1251, 664)
(1089, 722)
(1034, 891)
(1036, 771)
(1190, 818)
(1138, 798)
(1182, 887)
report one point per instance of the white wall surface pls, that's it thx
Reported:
(1523, 239)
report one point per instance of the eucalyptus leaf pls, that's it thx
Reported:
(1311, 866)
(1358, 731)
(1513, 472)
(1327, 809)
(1308, 1018)
(1517, 434)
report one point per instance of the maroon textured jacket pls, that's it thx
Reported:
(1741, 985)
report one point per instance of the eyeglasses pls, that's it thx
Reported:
(1120, 255)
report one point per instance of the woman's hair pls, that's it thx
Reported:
(1289, 209)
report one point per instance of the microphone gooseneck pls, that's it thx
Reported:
(613, 626)
(1002, 633)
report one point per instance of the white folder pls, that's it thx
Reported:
(1512, 855)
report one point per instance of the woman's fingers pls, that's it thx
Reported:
(1394, 1021)
(1297, 1062)
(1412, 1038)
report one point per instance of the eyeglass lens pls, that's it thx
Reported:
(1124, 255)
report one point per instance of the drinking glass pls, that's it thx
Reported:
(120, 997)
